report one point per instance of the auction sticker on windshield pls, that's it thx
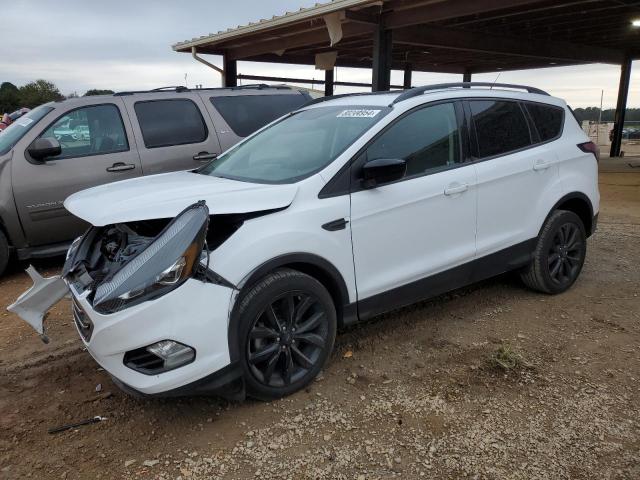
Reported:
(359, 113)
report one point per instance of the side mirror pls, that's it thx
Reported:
(42, 148)
(383, 170)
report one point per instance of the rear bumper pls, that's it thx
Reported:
(195, 314)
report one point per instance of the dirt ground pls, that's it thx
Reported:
(414, 394)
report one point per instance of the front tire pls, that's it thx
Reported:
(4, 252)
(559, 254)
(287, 327)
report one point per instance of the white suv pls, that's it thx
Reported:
(235, 277)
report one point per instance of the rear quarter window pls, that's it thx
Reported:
(248, 113)
(547, 119)
(170, 122)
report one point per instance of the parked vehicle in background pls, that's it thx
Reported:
(237, 275)
(62, 147)
(8, 118)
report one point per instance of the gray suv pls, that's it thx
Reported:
(63, 147)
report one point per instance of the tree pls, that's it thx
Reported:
(95, 91)
(9, 97)
(36, 93)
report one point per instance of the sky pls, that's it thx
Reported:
(126, 45)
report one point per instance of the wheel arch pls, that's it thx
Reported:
(578, 203)
(314, 266)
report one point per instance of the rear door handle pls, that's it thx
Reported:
(120, 167)
(204, 156)
(541, 165)
(454, 188)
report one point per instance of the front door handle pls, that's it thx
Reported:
(541, 165)
(454, 188)
(120, 167)
(204, 156)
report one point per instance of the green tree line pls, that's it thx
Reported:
(593, 114)
(33, 94)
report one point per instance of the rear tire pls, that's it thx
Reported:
(287, 327)
(559, 255)
(4, 252)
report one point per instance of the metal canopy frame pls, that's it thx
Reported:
(448, 36)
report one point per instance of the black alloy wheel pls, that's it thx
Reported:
(287, 339)
(559, 254)
(286, 328)
(565, 257)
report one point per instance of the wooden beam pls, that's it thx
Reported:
(621, 107)
(328, 83)
(381, 68)
(298, 40)
(230, 77)
(518, 47)
(445, 10)
(358, 16)
(406, 83)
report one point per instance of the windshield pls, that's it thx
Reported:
(14, 132)
(297, 146)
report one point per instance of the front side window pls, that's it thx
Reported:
(547, 119)
(166, 123)
(248, 113)
(427, 139)
(18, 129)
(94, 130)
(501, 127)
(297, 146)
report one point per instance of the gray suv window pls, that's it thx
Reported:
(249, 113)
(501, 127)
(14, 132)
(427, 139)
(85, 131)
(170, 122)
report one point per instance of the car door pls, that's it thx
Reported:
(96, 148)
(173, 131)
(421, 225)
(514, 174)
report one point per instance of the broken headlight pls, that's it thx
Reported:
(166, 263)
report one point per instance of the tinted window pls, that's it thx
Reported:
(297, 146)
(501, 127)
(170, 122)
(95, 130)
(547, 119)
(249, 113)
(427, 139)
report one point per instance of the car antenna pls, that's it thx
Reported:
(494, 82)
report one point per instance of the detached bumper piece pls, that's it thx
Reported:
(33, 304)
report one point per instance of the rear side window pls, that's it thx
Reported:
(501, 127)
(547, 119)
(170, 122)
(246, 114)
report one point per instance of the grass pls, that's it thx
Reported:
(507, 359)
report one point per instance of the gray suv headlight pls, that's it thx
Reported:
(167, 262)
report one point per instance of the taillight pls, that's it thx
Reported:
(590, 147)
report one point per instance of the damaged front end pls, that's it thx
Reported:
(118, 266)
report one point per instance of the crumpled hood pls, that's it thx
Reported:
(166, 195)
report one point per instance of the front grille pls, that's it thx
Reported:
(84, 324)
(143, 361)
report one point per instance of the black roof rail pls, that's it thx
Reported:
(414, 92)
(182, 88)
